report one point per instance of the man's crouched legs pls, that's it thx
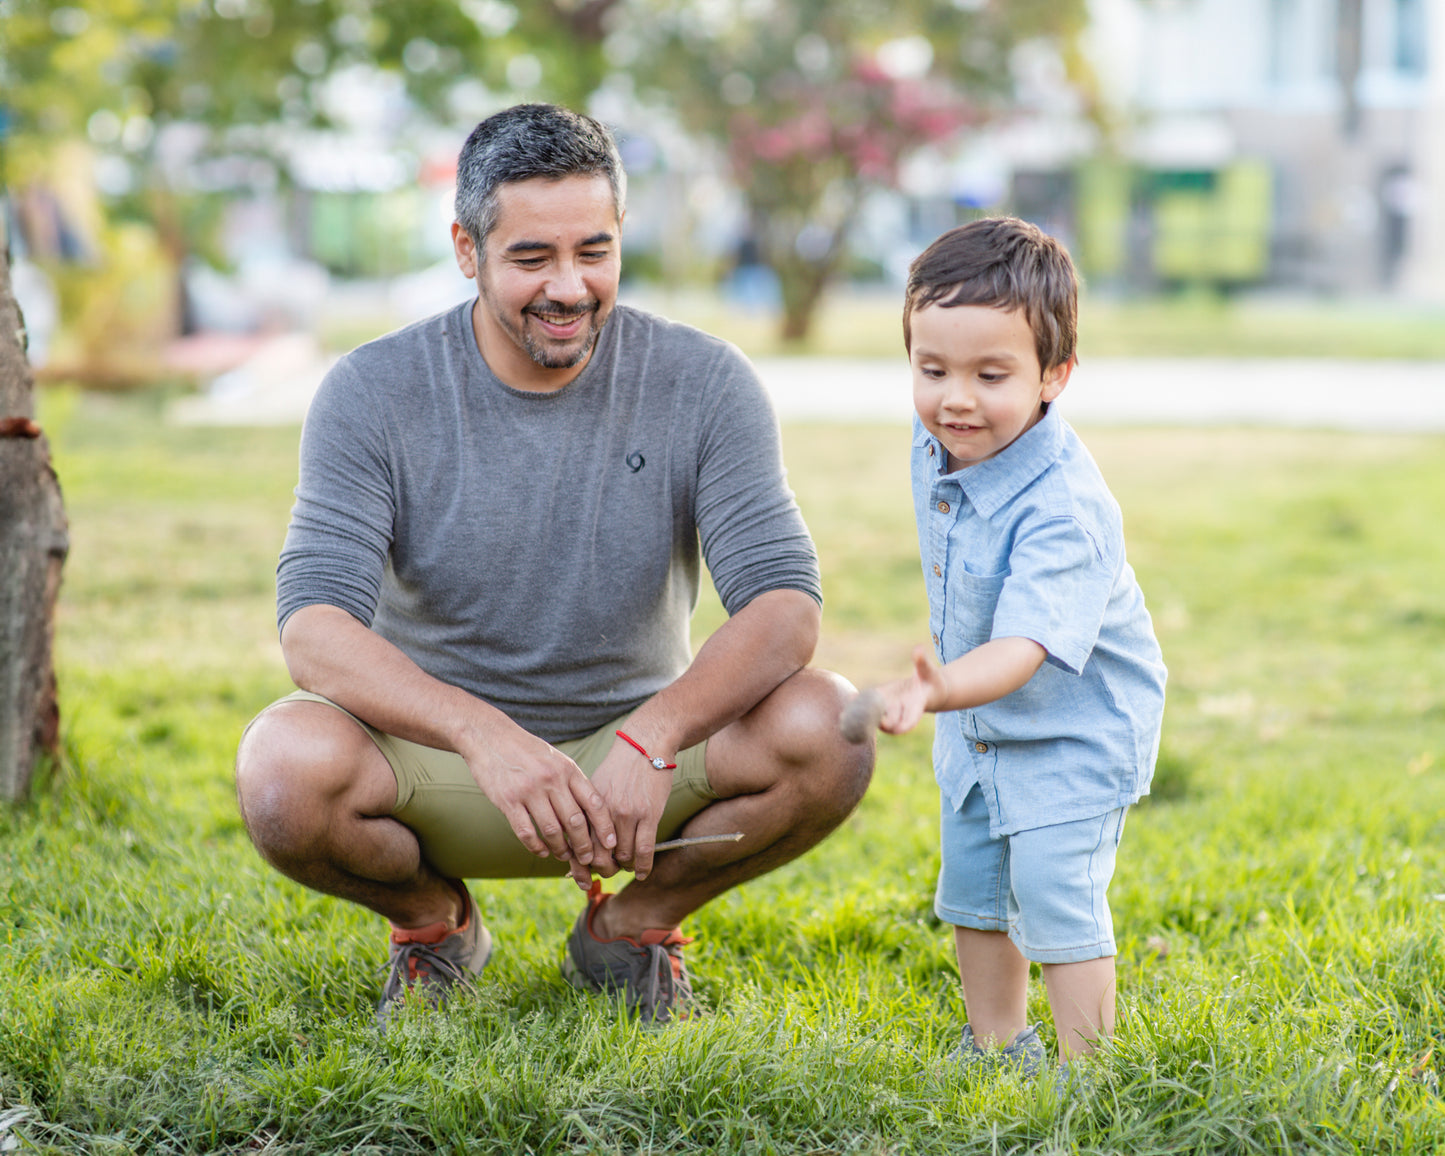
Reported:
(785, 779)
(318, 796)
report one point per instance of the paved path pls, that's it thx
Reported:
(1376, 396)
(275, 385)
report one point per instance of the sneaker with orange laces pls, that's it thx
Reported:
(435, 960)
(648, 973)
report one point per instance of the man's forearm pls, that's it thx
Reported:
(330, 653)
(745, 659)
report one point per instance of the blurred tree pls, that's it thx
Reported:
(120, 70)
(116, 76)
(812, 101)
(816, 101)
(33, 545)
(186, 101)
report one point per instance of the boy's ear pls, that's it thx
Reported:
(1056, 378)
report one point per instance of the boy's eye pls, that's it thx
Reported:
(990, 378)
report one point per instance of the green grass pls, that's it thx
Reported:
(1279, 906)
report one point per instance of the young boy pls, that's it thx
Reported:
(1051, 688)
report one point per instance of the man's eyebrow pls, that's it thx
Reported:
(526, 246)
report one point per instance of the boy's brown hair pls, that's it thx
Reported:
(1008, 264)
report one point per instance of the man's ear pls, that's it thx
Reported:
(1056, 378)
(466, 251)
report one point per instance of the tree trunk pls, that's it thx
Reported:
(33, 544)
(802, 284)
(802, 277)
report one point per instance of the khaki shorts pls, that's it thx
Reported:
(462, 835)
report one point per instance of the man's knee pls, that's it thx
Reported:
(799, 722)
(297, 763)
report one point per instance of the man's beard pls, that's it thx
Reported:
(545, 352)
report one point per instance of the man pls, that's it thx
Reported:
(484, 597)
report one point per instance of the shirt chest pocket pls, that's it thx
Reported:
(970, 601)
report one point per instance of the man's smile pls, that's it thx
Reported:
(561, 323)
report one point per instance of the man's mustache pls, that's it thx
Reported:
(553, 309)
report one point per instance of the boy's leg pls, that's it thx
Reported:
(1060, 879)
(973, 895)
(1081, 997)
(995, 985)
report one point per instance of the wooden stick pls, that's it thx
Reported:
(861, 716)
(695, 840)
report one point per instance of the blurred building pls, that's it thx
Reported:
(1298, 143)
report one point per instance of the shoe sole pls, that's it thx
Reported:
(482, 953)
(577, 977)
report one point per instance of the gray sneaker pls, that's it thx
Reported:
(435, 969)
(1025, 1052)
(649, 973)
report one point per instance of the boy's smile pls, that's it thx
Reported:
(977, 384)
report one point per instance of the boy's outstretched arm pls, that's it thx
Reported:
(984, 674)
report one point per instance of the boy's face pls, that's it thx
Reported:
(977, 384)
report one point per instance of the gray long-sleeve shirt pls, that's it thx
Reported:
(541, 550)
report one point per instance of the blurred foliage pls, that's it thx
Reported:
(816, 101)
(120, 312)
(119, 70)
(813, 102)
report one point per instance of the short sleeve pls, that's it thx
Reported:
(1057, 591)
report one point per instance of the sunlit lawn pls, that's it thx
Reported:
(866, 323)
(1278, 906)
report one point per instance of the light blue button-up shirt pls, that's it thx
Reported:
(1030, 543)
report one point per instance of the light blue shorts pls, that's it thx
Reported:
(1047, 887)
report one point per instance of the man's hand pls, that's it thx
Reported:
(635, 794)
(552, 807)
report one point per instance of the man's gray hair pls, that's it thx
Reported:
(527, 141)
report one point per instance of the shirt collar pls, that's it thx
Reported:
(992, 484)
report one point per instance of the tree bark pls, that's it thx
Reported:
(33, 545)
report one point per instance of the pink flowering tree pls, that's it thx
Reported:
(806, 162)
(816, 102)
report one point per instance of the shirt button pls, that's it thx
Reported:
(981, 748)
(943, 507)
(935, 640)
(930, 450)
(937, 573)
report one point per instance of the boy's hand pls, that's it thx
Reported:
(984, 674)
(906, 700)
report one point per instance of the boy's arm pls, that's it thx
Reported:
(986, 673)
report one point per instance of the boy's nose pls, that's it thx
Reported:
(959, 398)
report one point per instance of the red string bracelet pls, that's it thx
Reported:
(655, 760)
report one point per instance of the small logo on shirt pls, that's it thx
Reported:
(635, 461)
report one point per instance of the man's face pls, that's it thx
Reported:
(977, 385)
(546, 280)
